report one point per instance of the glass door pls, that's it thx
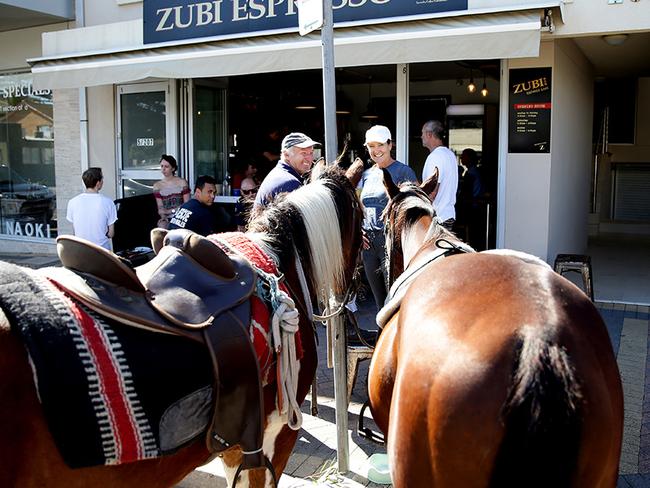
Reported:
(146, 130)
(209, 129)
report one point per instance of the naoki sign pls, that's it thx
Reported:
(169, 20)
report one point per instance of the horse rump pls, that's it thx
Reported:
(541, 416)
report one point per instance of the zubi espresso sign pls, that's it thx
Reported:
(173, 20)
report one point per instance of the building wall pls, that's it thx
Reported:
(528, 181)
(592, 17)
(571, 133)
(102, 136)
(106, 11)
(67, 153)
(17, 46)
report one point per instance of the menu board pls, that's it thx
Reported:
(529, 127)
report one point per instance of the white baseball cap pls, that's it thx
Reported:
(378, 133)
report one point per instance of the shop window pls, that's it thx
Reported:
(27, 184)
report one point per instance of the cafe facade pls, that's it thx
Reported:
(210, 82)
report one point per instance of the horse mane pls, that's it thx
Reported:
(309, 219)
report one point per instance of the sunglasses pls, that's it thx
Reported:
(252, 191)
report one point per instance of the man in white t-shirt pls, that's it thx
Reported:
(93, 215)
(441, 157)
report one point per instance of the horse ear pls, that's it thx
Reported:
(431, 183)
(391, 188)
(355, 171)
(317, 169)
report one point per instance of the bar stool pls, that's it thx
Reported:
(356, 354)
(579, 263)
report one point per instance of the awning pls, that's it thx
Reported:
(488, 36)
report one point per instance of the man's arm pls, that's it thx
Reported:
(111, 231)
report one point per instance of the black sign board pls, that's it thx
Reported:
(171, 20)
(529, 128)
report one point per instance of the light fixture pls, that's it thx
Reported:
(484, 90)
(471, 87)
(369, 114)
(615, 39)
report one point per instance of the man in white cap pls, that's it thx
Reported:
(297, 158)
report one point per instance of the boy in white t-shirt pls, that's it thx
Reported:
(93, 215)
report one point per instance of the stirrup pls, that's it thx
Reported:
(366, 432)
(268, 465)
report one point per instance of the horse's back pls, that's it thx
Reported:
(463, 326)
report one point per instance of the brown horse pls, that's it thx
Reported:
(494, 370)
(317, 225)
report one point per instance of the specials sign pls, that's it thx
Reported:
(529, 128)
(171, 20)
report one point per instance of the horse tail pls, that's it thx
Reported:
(541, 417)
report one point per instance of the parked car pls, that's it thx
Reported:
(21, 199)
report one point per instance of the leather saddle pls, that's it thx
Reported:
(191, 288)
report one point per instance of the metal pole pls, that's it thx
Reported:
(331, 152)
(329, 82)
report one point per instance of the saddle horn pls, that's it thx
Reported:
(157, 236)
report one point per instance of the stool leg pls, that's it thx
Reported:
(353, 367)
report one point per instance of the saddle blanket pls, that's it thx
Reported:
(240, 243)
(111, 393)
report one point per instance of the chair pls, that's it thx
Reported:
(580, 263)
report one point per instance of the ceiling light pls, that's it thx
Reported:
(615, 39)
(471, 88)
(484, 90)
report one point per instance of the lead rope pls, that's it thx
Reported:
(284, 325)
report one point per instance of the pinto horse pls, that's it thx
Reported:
(492, 370)
(318, 226)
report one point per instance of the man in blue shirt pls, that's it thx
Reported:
(297, 157)
(195, 214)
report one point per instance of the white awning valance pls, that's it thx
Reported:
(490, 36)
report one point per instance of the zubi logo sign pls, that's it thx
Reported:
(172, 20)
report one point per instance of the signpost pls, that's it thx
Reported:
(309, 19)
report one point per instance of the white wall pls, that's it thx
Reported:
(102, 136)
(571, 134)
(594, 17)
(107, 11)
(527, 182)
(18, 45)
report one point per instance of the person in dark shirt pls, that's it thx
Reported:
(297, 159)
(195, 214)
